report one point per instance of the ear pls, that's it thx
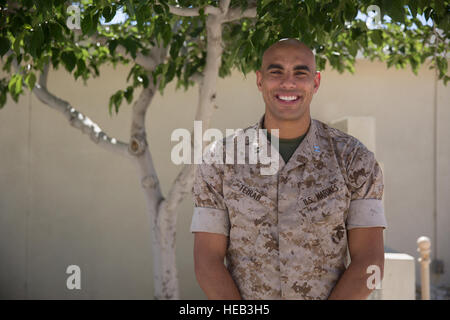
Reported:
(259, 79)
(317, 78)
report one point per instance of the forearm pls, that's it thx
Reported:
(352, 285)
(216, 282)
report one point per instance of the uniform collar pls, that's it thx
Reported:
(309, 148)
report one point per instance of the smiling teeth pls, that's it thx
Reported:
(287, 98)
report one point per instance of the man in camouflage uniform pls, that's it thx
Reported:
(286, 235)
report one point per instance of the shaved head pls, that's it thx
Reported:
(288, 80)
(290, 43)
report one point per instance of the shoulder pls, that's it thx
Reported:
(231, 136)
(344, 145)
(218, 149)
(356, 161)
(337, 137)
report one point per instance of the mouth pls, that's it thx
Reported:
(287, 98)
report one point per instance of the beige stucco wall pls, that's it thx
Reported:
(65, 201)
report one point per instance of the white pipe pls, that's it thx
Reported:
(424, 245)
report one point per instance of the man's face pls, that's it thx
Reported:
(288, 81)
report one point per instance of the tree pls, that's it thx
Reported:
(193, 43)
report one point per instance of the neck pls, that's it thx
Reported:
(288, 129)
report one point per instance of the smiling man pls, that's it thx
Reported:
(291, 240)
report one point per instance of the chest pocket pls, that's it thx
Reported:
(249, 210)
(247, 200)
(325, 205)
(325, 211)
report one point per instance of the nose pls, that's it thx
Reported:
(288, 81)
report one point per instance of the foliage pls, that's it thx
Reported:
(35, 33)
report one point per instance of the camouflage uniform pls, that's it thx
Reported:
(288, 231)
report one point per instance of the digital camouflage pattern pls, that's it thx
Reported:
(288, 231)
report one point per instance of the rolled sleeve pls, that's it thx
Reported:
(366, 187)
(210, 211)
(210, 220)
(366, 213)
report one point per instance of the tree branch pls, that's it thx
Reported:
(207, 95)
(197, 77)
(224, 6)
(237, 14)
(181, 186)
(76, 118)
(44, 76)
(193, 12)
(207, 99)
(138, 140)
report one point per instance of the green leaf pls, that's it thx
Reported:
(175, 46)
(442, 64)
(413, 7)
(37, 40)
(16, 45)
(2, 99)
(165, 5)
(30, 80)
(132, 71)
(158, 9)
(3, 92)
(167, 34)
(81, 68)
(5, 45)
(170, 72)
(129, 94)
(55, 57)
(69, 59)
(310, 6)
(350, 11)
(268, 6)
(115, 100)
(56, 31)
(95, 21)
(15, 86)
(86, 24)
(143, 15)
(112, 45)
(109, 13)
(395, 10)
(377, 37)
(265, 3)
(130, 45)
(258, 36)
(130, 8)
(414, 64)
(353, 48)
(145, 80)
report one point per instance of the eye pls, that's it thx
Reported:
(276, 72)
